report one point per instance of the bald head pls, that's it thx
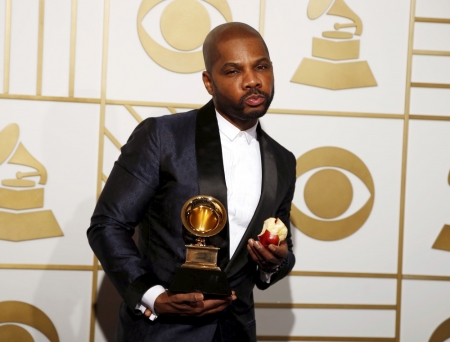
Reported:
(223, 33)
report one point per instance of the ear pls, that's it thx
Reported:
(207, 81)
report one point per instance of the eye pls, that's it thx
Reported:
(172, 32)
(334, 193)
(263, 67)
(330, 193)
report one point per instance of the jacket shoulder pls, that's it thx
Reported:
(279, 150)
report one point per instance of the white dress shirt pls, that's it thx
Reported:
(243, 177)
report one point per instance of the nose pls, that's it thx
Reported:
(251, 80)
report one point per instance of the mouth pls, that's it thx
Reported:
(255, 100)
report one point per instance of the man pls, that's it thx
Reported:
(219, 150)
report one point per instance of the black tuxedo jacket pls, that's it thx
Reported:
(166, 161)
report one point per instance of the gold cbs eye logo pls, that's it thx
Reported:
(184, 25)
(328, 194)
(442, 332)
(23, 313)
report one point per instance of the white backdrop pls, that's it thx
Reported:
(76, 79)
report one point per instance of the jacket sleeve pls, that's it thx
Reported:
(283, 212)
(121, 206)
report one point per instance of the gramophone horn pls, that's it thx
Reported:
(203, 216)
(317, 7)
(8, 137)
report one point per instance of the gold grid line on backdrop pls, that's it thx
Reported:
(430, 85)
(262, 16)
(103, 101)
(100, 175)
(432, 20)
(431, 53)
(73, 43)
(7, 57)
(325, 338)
(128, 104)
(403, 171)
(324, 306)
(40, 54)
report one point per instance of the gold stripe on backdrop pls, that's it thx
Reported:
(73, 41)
(100, 153)
(129, 104)
(431, 53)
(48, 98)
(343, 274)
(429, 117)
(324, 306)
(153, 104)
(262, 17)
(425, 277)
(113, 138)
(430, 85)
(329, 113)
(94, 300)
(46, 267)
(40, 54)
(134, 113)
(172, 110)
(432, 20)
(7, 62)
(326, 338)
(403, 174)
(293, 273)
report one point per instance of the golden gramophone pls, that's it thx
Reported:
(203, 216)
(20, 194)
(331, 71)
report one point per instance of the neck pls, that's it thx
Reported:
(243, 125)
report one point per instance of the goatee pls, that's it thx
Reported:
(238, 110)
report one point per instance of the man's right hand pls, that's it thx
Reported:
(190, 304)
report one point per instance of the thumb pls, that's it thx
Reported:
(195, 297)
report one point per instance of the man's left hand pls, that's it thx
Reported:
(267, 258)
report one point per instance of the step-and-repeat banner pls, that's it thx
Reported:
(362, 100)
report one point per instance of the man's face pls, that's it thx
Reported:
(241, 79)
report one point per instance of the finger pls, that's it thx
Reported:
(254, 256)
(279, 251)
(193, 297)
(272, 253)
(263, 254)
(257, 248)
(215, 305)
(148, 313)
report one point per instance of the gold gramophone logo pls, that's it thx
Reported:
(26, 314)
(442, 332)
(337, 47)
(184, 25)
(21, 196)
(443, 240)
(328, 194)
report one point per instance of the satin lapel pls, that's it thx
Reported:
(211, 176)
(266, 205)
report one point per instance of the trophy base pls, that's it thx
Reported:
(212, 283)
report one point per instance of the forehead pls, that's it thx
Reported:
(240, 50)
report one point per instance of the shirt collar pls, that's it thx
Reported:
(231, 131)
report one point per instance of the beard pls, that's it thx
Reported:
(237, 110)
